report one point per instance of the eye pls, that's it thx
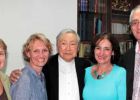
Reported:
(97, 48)
(63, 43)
(107, 49)
(2, 53)
(73, 43)
(45, 50)
(134, 22)
(36, 51)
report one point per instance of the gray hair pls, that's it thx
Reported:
(67, 31)
(137, 8)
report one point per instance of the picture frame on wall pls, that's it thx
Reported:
(84, 49)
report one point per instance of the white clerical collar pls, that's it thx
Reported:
(65, 66)
(65, 62)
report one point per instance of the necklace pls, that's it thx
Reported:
(100, 72)
(99, 76)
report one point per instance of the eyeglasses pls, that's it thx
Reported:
(68, 44)
(134, 22)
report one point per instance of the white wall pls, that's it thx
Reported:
(20, 18)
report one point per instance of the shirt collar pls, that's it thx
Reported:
(137, 50)
(65, 62)
(34, 72)
(66, 67)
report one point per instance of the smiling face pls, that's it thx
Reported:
(135, 24)
(67, 46)
(2, 58)
(103, 51)
(38, 54)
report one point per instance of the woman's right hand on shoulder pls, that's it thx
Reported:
(14, 76)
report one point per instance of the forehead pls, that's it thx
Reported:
(104, 42)
(68, 37)
(37, 43)
(136, 15)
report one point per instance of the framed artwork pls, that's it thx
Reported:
(85, 49)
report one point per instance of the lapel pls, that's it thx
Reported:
(130, 60)
(129, 63)
(51, 73)
(80, 75)
(78, 70)
(55, 75)
(130, 74)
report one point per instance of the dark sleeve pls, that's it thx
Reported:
(88, 62)
(121, 61)
(85, 62)
(127, 60)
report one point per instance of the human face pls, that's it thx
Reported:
(38, 54)
(135, 25)
(67, 47)
(2, 58)
(103, 52)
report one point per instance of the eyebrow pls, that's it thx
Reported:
(134, 20)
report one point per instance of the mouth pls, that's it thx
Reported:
(68, 53)
(100, 57)
(41, 60)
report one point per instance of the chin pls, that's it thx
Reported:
(41, 65)
(100, 62)
(68, 60)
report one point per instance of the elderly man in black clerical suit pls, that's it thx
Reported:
(64, 71)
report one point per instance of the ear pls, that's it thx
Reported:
(112, 53)
(78, 47)
(27, 54)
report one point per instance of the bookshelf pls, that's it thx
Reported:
(93, 18)
(120, 23)
(99, 16)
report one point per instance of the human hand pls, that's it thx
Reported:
(14, 76)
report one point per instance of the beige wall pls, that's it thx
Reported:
(21, 18)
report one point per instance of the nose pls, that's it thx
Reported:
(138, 26)
(68, 47)
(101, 52)
(41, 53)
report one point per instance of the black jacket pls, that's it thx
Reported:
(51, 74)
(128, 62)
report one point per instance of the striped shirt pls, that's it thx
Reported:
(30, 86)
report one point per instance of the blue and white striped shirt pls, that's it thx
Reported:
(30, 86)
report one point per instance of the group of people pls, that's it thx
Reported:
(64, 76)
